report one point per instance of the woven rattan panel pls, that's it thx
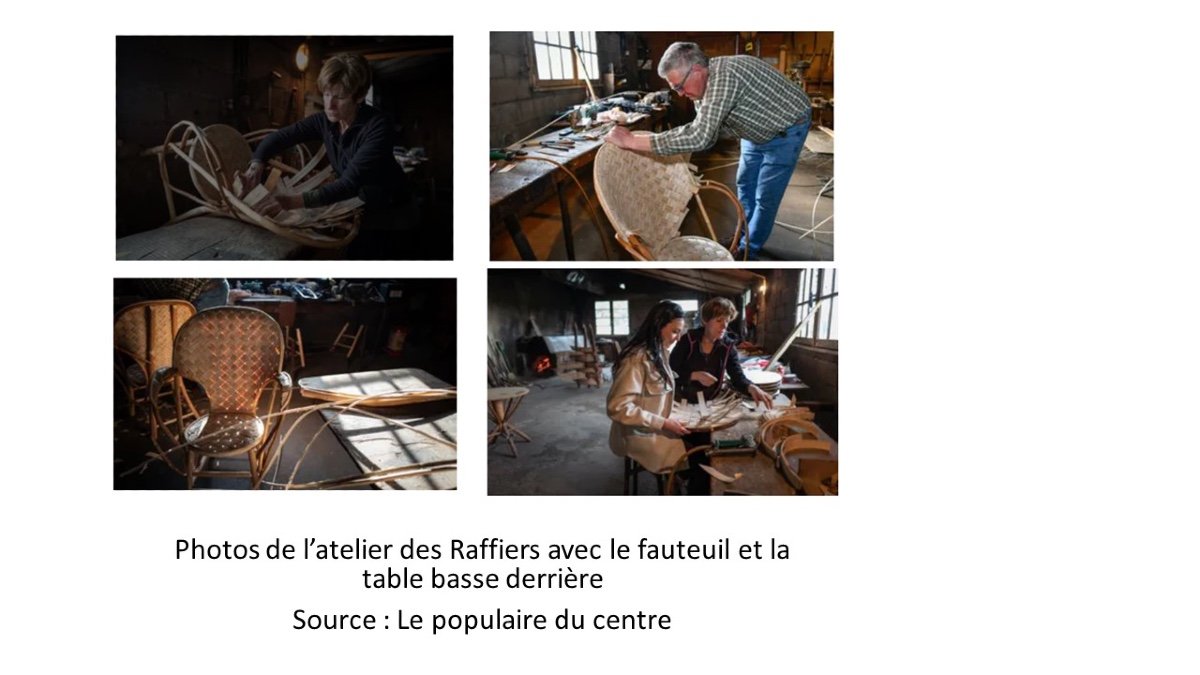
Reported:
(173, 289)
(233, 352)
(644, 194)
(224, 434)
(693, 248)
(147, 330)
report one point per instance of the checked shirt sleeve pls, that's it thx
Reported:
(702, 132)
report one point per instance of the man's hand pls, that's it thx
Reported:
(675, 427)
(761, 396)
(620, 137)
(705, 379)
(624, 138)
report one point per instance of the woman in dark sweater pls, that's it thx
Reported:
(358, 141)
(705, 359)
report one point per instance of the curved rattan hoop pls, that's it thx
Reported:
(333, 226)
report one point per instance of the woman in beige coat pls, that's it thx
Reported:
(640, 400)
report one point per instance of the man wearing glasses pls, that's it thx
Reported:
(742, 97)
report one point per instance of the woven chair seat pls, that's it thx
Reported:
(694, 248)
(227, 434)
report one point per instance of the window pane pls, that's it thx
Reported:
(688, 305)
(543, 61)
(592, 67)
(620, 317)
(827, 287)
(539, 36)
(833, 335)
(556, 72)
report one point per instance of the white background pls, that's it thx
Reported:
(1016, 234)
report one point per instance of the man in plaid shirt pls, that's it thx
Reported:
(741, 97)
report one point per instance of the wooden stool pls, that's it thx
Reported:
(502, 403)
(632, 469)
(347, 341)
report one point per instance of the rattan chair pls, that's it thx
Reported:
(646, 199)
(143, 339)
(215, 155)
(235, 354)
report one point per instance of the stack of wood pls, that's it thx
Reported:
(582, 365)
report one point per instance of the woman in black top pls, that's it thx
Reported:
(703, 360)
(706, 357)
(358, 141)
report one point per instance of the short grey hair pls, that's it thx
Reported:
(681, 56)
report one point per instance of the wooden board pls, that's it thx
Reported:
(207, 238)
(375, 444)
(347, 387)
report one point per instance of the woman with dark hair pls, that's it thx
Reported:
(640, 400)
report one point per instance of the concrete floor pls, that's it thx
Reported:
(326, 458)
(543, 226)
(568, 454)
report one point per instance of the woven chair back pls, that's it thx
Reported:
(173, 289)
(233, 353)
(233, 153)
(644, 194)
(146, 331)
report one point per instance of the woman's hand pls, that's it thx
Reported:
(675, 427)
(704, 378)
(251, 177)
(275, 204)
(761, 396)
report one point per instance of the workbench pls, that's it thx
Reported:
(375, 444)
(517, 191)
(207, 238)
(759, 475)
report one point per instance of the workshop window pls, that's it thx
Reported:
(691, 311)
(612, 317)
(555, 61)
(817, 285)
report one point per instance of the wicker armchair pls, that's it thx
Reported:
(143, 338)
(216, 153)
(235, 354)
(646, 199)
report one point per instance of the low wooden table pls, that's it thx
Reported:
(376, 444)
(502, 403)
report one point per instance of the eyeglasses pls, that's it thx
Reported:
(679, 87)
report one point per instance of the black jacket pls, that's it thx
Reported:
(722, 363)
(362, 157)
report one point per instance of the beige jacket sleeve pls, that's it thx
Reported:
(626, 393)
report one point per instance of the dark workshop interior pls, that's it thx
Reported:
(540, 211)
(256, 83)
(553, 336)
(385, 346)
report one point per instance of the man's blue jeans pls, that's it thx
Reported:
(762, 177)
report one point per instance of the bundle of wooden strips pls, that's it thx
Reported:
(723, 411)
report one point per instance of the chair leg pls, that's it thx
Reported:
(300, 347)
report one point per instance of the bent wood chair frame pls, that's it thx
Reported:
(629, 182)
(330, 227)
